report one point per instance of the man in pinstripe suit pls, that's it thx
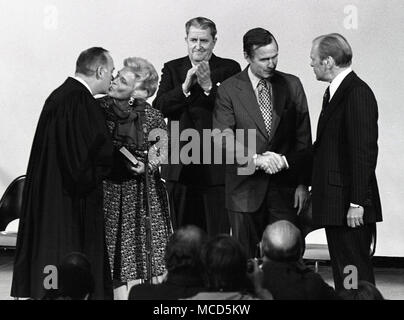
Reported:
(344, 188)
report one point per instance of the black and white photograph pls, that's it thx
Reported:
(219, 150)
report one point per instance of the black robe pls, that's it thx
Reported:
(62, 200)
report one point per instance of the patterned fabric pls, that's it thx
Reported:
(265, 103)
(125, 209)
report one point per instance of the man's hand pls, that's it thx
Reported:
(189, 80)
(256, 276)
(270, 162)
(355, 217)
(302, 197)
(203, 76)
(139, 169)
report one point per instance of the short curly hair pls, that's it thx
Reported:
(144, 72)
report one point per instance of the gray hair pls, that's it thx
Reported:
(144, 72)
(203, 23)
(336, 46)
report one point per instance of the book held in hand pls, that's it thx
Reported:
(129, 156)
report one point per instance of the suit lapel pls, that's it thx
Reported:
(216, 70)
(185, 65)
(334, 103)
(278, 100)
(249, 101)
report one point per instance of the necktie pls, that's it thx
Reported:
(265, 103)
(326, 100)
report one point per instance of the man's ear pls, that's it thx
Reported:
(100, 72)
(246, 56)
(214, 41)
(329, 62)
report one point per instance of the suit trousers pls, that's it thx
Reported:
(247, 227)
(203, 206)
(350, 247)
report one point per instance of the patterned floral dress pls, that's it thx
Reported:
(125, 195)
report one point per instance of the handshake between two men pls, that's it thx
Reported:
(270, 162)
(273, 163)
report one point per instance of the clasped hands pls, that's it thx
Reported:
(270, 162)
(201, 74)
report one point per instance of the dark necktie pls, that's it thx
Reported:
(326, 100)
(265, 103)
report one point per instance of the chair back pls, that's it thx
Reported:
(11, 202)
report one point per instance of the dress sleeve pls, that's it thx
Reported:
(158, 138)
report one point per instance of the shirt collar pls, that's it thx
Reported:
(83, 83)
(338, 80)
(253, 78)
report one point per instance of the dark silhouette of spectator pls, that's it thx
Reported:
(285, 274)
(75, 280)
(226, 278)
(184, 268)
(365, 291)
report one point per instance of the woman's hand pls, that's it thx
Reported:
(138, 169)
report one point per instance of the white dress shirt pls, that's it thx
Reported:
(338, 80)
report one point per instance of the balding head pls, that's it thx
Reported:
(282, 241)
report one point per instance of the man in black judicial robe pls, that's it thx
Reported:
(62, 199)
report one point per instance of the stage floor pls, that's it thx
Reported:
(390, 281)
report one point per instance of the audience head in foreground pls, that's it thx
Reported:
(365, 291)
(75, 280)
(183, 250)
(285, 274)
(225, 272)
(282, 241)
(184, 268)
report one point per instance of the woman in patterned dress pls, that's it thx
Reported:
(130, 120)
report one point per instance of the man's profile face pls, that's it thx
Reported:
(317, 64)
(107, 74)
(200, 44)
(263, 60)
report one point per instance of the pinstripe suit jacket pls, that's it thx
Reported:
(345, 155)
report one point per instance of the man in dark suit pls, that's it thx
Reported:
(273, 104)
(184, 268)
(285, 274)
(62, 200)
(186, 97)
(345, 194)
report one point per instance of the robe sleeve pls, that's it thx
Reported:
(83, 142)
